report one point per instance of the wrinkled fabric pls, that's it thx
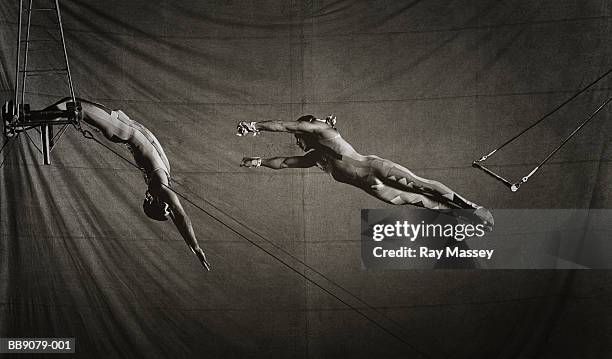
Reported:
(431, 85)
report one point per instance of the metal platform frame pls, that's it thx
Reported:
(16, 114)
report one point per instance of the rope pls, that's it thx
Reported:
(354, 308)
(547, 115)
(87, 134)
(515, 187)
(32, 141)
(8, 151)
(4, 145)
(296, 259)
(59, 135)
(575, 131)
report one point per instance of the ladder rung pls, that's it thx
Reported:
(45, 71)
(40, 9)
(38, 40)
(41, 50)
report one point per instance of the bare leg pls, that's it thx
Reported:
(402, 178)
(396, 196)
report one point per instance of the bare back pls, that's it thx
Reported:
(338, 158)
(117, 127)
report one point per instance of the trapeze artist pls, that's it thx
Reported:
(160, 202)
(379, 177)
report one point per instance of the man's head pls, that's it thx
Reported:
(308, 142)
(155, 208)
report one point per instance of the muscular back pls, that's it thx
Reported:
(116, 126)
(338, 158)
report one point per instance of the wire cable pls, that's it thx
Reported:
(58, 136)
(573, 133)
(32, 141)
(4, 145)
(284, 251)
(550, 113)
(87, 134)
(514, 186)
(10, 148)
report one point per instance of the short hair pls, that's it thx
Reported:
(329, 120)
(307, 118)
(155, 208)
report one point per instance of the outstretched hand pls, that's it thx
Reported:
(245, 128)
(202, 257)
(250, 162)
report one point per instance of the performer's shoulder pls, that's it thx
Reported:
(329, 134)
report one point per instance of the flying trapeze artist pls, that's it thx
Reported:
(160, 202)
(379, 177)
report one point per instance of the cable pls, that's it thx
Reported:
(4, 145)
(548, 114)
(572, 134)
(8, 151)
(87, 134)
(58, 136)
(301, 274)
(516, 185)
(298, 260)
(32, 141)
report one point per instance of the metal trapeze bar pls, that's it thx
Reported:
(515, 186)
(66, 121)
(45, 114)
(22, 119)
(476, 164)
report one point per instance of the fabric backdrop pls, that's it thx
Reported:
(430, 84)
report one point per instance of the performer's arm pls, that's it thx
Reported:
(296, 127)
(183, 223)
(277, 163)
(299, 127)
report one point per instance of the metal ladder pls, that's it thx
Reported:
(23, 71)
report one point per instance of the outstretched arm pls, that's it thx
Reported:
(297, 127)
(183, 223)
(300, 127)
(277, 163)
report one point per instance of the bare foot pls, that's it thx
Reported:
(485, 217)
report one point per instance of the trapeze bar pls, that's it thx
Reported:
(41, 116)
(17, 120)
(43, 123)
(493, 174)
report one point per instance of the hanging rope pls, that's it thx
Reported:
(87, 134)
(516, 185)
(32, 141)
(59, 135)
(10, 148)
(566, 139)
(4, 145)
(284, 251)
